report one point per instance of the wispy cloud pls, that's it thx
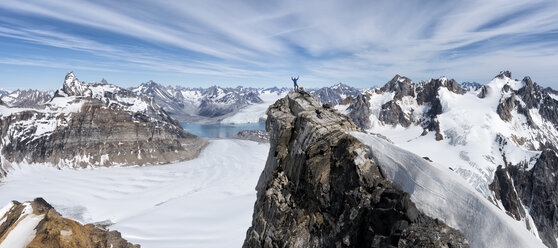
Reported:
(324, 41)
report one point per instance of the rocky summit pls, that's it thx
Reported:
(36, 224)
(319, 188)
(95, 124)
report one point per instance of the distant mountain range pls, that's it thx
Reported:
(201, 105)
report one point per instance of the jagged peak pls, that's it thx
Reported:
(399, 78)
(72, 87)
(527, 81)
(504, 74)
(70, 76)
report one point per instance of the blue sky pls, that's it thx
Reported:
(262, 43)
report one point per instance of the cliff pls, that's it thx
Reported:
(319, 188)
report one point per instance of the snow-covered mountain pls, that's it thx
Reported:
(229, 105)
(206, 105)
(25, 98)
(335, 94)
(499, 137)
(92, 124)
(4, 91)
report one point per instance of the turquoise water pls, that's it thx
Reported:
(220, 130)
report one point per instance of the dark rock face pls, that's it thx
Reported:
(537, 189)
(391, 113)
(504, 74)
(402, 86)
(505, 108)
(313, 193)
(483, 92)
(504, 190)
(56, 231)
(360, 111)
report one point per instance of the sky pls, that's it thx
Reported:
(263, 43)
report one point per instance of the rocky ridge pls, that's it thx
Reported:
(93, 125)
(36, 224)
(320, 189)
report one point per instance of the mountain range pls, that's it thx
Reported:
(429, 163)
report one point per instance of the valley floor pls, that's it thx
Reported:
(205, 202)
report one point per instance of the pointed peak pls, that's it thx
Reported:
(504, 74)
(70, 77)
(104, 81)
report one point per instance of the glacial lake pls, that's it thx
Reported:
(220, 130)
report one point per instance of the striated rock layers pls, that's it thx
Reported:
(320, 189)
(93, 125)
(36, 224)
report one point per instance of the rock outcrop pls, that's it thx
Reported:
(535, 188)
(93, 125)
(36, 224)
(320, 189)
(360, 111)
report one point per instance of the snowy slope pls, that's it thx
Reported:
(205, 202)
(441, 193)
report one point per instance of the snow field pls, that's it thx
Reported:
(205, 202)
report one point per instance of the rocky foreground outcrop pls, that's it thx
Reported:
(94, 124)
(320, 189)
(36, 224)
